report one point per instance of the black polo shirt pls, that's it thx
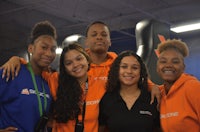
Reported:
(114, 114)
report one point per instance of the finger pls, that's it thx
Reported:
(9, 129)
(158, 97)
(4, 73)
(12, 72)
(12, 129)
(152, 98)
(17, 70)
(7, 73)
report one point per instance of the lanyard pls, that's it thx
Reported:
(36, 90)
(84, 103)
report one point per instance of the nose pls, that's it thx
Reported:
(168, 64)
(75, 63)
(49, 53)
(129, 70)
(99, 36)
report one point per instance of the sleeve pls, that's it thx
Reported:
(23, 61)
(8, 90)
(193, 96)
(150, 84)
(52, 79)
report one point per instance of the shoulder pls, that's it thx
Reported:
(191, 81)
(191, 86)
(109, 97)
(112, 55)
(145, 96)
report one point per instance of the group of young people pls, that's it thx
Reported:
(96, 90)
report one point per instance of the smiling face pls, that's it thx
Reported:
(43, 51)
(129, 71)
(170, 65)
(76, 64)
(98, 38)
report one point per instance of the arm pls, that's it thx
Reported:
(11, 67)
(155, 92)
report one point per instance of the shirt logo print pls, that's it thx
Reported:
(25, 91)
(142, 112)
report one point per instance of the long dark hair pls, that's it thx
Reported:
(113, 83)
(69, 93)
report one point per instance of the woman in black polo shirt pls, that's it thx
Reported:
(126, 107)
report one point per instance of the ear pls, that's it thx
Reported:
(30, 48)
(86, 42)
(109, 41)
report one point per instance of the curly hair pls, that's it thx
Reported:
(69, 94)
(42, 28)
(178, 45)
(113, 83)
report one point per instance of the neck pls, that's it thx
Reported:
(82, 80)
(167, 86)
(36, 69)
(130, 91)
(98, 58)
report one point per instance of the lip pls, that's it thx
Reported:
(77, 70)
(128, 77)
(47, 61)
(168, 71)
(99, 43)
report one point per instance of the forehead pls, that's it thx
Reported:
(98, 27)
(71, 54)
(171, 53)
(129, 60)
(46, 39)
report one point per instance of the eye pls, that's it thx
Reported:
(94, 34)
(79, 58)
(67, 63)
(162, 61)
(44, 47)
(123, 66)
(104, 34)
(135, 67)
(176, 61)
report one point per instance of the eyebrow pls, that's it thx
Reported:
(80, 55)
(124, 63)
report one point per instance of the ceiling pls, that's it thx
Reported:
(72, 17)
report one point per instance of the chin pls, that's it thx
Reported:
(169, 80)
(100, 50)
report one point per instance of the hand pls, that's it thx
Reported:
(155, 92)
(9, 129)
(11, 68)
